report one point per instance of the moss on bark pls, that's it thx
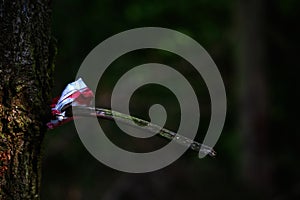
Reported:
(26, 66)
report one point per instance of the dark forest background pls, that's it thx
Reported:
(255, 45)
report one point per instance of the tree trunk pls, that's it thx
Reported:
(253, 98)
(26, 66)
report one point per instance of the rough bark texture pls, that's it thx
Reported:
(26, 65)
(253, 97)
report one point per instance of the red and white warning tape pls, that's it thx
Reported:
(75, 94)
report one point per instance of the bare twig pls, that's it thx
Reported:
(137, 122)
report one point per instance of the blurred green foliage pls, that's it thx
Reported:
(70, 172)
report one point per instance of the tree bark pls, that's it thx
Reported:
(26, 65)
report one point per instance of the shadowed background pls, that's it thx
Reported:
(254, 44)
